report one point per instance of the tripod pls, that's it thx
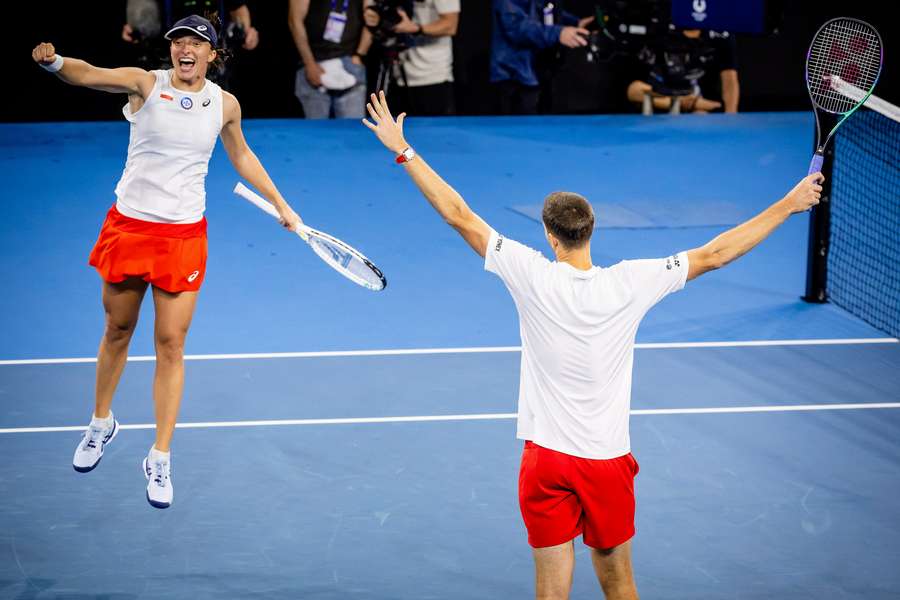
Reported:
(388, 61)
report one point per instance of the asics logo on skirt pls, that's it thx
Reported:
(193, 276)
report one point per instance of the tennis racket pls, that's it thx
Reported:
(341, 257)
(842, 67)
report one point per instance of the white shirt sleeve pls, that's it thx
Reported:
(512, 262)
(446, 6)
(654, 279)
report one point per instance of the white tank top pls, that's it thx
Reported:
(172, 137)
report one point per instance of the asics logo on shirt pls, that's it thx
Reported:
(498, 245)
(193, 276)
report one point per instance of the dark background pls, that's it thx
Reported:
(771, 67)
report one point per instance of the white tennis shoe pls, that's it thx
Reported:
(95, 438)
(158, 471)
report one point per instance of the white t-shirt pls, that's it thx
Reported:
(578, 329)
(430, 61)
(172, 137)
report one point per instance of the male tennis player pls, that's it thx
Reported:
(578, 324)
(155, 234)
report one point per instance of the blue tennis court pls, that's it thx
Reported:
(336, 443)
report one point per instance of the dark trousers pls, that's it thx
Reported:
(424, 100)
(514, 98)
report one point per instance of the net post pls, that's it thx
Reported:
(819, 238)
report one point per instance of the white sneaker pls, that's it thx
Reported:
(158, 471)
(95, 438)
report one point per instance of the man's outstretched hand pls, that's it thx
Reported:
(388, 130)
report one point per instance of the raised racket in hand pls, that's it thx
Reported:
(842, 67)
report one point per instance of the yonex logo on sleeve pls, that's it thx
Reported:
(193, 276)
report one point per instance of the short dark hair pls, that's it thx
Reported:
(569, 217)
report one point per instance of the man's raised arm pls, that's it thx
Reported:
(445, 200)
(736, 242)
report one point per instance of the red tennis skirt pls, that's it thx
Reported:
(169, 256)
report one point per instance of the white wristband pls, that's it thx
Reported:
(55, 66)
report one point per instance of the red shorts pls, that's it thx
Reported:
(169, 256)
(562, 496)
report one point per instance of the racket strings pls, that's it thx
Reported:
(347, 261)
(847, 52)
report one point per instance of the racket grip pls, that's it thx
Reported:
(247, 194)
(815, 165)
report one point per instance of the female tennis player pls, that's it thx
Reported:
(155, 234)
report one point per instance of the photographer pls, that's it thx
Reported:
(716, 55)
(424, 71)
(331, 40)
(521, 28)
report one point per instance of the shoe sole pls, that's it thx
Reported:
(153, 503)
(94, 466)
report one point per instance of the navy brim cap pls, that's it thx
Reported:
(194, 25)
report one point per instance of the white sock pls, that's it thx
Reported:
(105, 422)
(154, 453)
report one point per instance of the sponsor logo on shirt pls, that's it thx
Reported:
(673, 263)
(207, 101)
(186, 103)
(166, 97)
(498, 245)
(193, 276)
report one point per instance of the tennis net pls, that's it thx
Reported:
(863, 258)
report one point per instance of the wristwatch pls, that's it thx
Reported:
(406, 156)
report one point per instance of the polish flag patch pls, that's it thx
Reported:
(166, 97)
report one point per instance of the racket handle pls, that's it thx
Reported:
(247, 194)
(815, 165)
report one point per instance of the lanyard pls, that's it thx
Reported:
(334, 6)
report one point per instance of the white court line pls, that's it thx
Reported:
(473, 350)
(481, 417)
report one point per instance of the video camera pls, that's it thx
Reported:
(233, 36)
(650, 32)
(642, 30)
(388, 18)
(388, 45)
